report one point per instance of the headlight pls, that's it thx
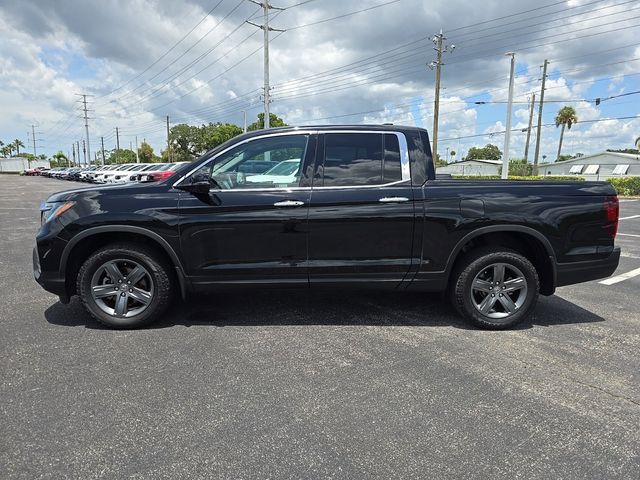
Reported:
(49, 211)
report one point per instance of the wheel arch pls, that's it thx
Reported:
(80, 247)
(525, 240)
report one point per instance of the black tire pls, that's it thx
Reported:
(483, 262)
(157, 277)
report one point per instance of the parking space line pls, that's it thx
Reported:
(629, 218)
(621, 278)
(629, 235)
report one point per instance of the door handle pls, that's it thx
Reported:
(288, 204)
(393, 200)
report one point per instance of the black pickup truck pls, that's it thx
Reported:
(342, 206)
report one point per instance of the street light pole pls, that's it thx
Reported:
(507, 137)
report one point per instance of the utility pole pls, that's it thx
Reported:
(539, 132)
(137, 156)
(244, 128)
(440, 48)
(84, 152)
(73, 150)
(33, 137)
(104, 160)
(78, 152)
(117, 145)
(266, 28)
(86, 127)
(168, 142)
(526, 145)
(507, 137)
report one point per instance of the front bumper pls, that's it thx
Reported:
(579, 272)
(50, 281)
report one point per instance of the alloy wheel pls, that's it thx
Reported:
(499, 290)
(122, 288)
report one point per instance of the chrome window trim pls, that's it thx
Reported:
(300, 189)
(258, 137)
(404, 161)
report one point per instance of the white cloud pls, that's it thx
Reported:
(52, 49)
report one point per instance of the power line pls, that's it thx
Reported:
(552, 124)
(165, 53)
(342, 16)
(168, 79)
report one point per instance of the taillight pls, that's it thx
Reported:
(160, 176)
(612, 211)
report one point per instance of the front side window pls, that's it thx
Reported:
(272, 162)
(354, 159)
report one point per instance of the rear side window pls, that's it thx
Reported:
(353, 159)
(392, 171)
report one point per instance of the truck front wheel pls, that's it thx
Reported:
(125, 285)
(495, 288)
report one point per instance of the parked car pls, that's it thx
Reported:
(85, 172)
(160, 172)
(125, 175)
(59, 174)
(104, 175)
(363, 209)
(35, 171)
(51, 172)
(90, 176)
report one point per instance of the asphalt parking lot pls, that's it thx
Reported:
(302, 385)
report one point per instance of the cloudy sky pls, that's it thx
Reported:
(198, 61)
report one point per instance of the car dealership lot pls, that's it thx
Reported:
(298, 384)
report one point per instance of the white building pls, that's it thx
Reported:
(20, 164)
(599, 166)
(472, 167)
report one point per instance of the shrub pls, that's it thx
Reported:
(626, 186)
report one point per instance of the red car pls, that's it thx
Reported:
(35, 171)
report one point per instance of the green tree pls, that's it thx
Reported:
(184, 141)
(632, 151)
(562, 158)
(6, 151)
(488, 152)
(59, 159)
(216, 134)
(637, 143)
(440, 162)
(566, 117)
(17, 144)
(145, 152)
(520, 167)
(124, 155)
(452, 154)
(274, 122)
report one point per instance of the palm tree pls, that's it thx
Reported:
(17, 143)
(59, 157)
(638, 143)
(566, 117)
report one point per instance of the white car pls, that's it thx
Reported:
(104, 175)
(127, 175)
(284, 172)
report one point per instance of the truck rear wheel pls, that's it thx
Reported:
(495, 288)
(125, 285)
